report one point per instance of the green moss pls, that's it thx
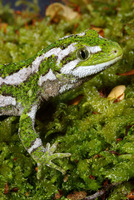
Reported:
(89, 130)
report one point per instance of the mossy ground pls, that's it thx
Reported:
(98, 133)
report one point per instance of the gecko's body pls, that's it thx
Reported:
(61, 66)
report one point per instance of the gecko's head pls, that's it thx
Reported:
(87, 54)
(77, 58)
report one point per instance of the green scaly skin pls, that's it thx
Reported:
(61, 66)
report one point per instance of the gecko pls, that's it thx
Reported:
(63, 65)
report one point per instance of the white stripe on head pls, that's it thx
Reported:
(83, 71)
(65, 52)
(94, 49)
(65, 87)
(36, 63)
(56, 52)
(60, 54)
(66, 69)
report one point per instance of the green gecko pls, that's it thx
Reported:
(61, 66)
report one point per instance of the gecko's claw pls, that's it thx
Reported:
(52, 148)
(47, 158)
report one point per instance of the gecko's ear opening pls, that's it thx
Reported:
(83, 54)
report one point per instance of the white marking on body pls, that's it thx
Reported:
(56, 52)
(36, 144)
(60, 54)
(65, 37)
(83, 71)
(32, 113)
(22, 75)
(66, 69)
(7, 100)
(65, 52)
(94, 49)
(49, 76)
(16, 78)
(36, 63)
(65, 87)
(81, 34)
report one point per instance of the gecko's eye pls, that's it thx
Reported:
(83, 54)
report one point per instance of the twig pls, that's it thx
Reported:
(101, 192)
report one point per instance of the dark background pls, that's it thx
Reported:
(42, 3)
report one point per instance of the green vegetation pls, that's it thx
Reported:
(97, 132)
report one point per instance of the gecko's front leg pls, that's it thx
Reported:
(33, 144)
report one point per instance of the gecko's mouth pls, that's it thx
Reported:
(84, 71)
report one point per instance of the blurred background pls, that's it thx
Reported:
(42, 4)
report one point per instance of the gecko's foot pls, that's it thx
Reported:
(47, 158)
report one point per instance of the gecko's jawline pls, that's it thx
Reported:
(84, 71)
